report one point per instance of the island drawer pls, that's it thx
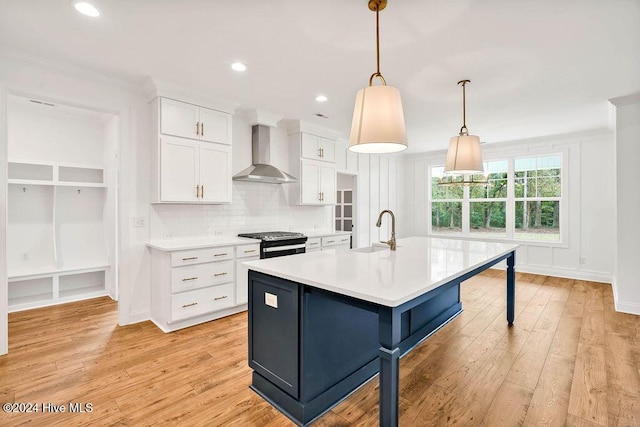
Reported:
(201, 301)
(201, 275)
(245, 251)
(198, 256)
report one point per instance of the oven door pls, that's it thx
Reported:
(273, 249)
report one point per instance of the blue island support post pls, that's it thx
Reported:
(511, 287)
(389, 330)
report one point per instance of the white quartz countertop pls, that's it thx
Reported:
(198, 243)
(386, 277)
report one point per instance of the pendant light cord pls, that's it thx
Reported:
(463, 129)
(377, 73)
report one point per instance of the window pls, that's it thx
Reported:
(537, 198)
(488, 203)
(521, 201)
(446, 205)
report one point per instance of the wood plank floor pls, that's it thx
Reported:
(570, 359)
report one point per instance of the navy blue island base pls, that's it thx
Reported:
(310, 348)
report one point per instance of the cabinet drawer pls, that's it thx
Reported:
(245, 251)
(201, 301)
(201, 275)
(313, 243)
(198, 256)
(336, 240)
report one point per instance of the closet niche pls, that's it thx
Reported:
(61, 207)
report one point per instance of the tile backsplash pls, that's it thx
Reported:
(255, 207)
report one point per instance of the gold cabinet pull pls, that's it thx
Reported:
(202, 129)
(248, 252)
(189, 305)
(224, 254)
(331, 241)
(202, 191)
(220, 274)
(189, 278)
(219, 298)
(189, 258)
(312, 244)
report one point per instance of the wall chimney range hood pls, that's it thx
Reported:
(261, 170)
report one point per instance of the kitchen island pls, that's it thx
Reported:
(322, 324)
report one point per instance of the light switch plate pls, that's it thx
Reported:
(271, 300)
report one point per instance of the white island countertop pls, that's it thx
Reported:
(386, 277)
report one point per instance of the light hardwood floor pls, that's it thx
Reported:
(569, 359)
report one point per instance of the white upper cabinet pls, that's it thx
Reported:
(346, 160)
(179, 163)
(194, 172)
(191, 121)
(318, 148)
(215, 170)
(317, 183)
(191, 161)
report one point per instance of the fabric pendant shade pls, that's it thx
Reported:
(464, 156)
(378, 121)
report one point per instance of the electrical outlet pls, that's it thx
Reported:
(583, 260)
(139, 222)
(25, 257)
(217, 233)
(167, 235)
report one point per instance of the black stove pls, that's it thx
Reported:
(278, 243)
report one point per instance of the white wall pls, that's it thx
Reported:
(626, 285)
(4, 302)
(589, 229)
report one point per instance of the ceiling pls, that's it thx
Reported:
(537, 68)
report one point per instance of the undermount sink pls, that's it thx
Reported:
(371, 249)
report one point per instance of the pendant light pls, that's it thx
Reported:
(464, 156)
(378, 120)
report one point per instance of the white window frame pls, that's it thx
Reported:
(510, 199)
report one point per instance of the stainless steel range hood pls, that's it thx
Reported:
(261, 170)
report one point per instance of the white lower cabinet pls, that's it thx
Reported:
(197, 285)
(313, 244)
(244, 253)
(201, 301)
(340, 241)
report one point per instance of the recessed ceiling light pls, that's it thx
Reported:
(238, 66)
(86, 8)
(321, 98)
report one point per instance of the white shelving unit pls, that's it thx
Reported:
(61, 206)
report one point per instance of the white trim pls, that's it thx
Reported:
(590, 276)
(137, 317)
(627, 307)
(4, 287)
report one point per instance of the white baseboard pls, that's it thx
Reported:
(591, 276)
(627, 307)
(138, 316)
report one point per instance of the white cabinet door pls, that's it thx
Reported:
(178, 118)
(317, 148)
(327, 149)
(215, 172)
(215, 126)
(310, 183)
(328, 185)
(242, 280)
(178, 170)
(310, 146)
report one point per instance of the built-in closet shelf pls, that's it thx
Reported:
(58, 184)
(43, 288)
(70, 175)
(49, 271)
